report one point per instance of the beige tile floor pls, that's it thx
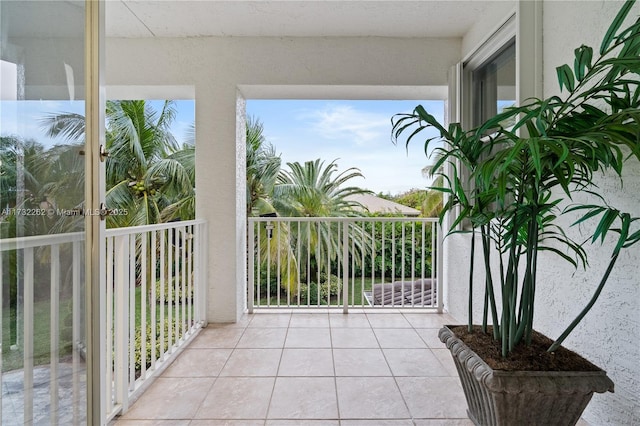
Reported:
(310, 369)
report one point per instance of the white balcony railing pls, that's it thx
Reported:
(34, 389)
(154, 298)
(344, 262)
(155, 281)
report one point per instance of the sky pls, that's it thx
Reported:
(24, 118)
(356, 133)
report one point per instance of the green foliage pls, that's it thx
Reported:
(412, 198)
(149, 177)
(263, 167)
(170, 290)
(330, 287)
(391, 239)
(523, 174)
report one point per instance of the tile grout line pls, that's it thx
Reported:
(275, 379)
(233, 349)
(335, 378)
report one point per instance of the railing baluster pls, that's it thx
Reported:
(393, 262)
(154, 300)
(278, 263)
(402, 259)
(436, 274)
(268, 236)
(259, 264)
(352, 280)
(170, 295)
(189, 295)
(27, 337)
(328, 243)
(373, 261)
(143, 305)
(183, 283)
(308, 264)
(422, 264)
(176, 287)
(318, 271)
(382, 256)
(288, 265)
(298, 283)
(77, 249)
(163, 273)
(413, 263)
(54, 335)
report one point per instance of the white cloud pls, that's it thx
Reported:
(345, 122)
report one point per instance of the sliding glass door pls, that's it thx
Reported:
(44, 348)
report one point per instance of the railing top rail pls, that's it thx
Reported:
(343, 219)
(32, 241)
(39, 240)
(114, 232)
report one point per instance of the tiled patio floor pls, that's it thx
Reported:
(316, 369)
(301, 369)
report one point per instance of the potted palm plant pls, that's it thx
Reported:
(522, 179)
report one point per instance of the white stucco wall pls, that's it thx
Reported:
(219, 67)
(609, 335)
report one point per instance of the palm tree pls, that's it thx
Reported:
(312, 190)
(146, 170)
(263, 167)
(432, 204)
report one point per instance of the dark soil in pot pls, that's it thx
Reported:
(524, 357)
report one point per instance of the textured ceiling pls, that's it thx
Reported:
(187, 18)
(310, 18)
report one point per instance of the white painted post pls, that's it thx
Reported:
(436, 269)
(144, 247)
(108, 356)
(131, 284)
(252, 266)
(345, 267)
(121, 338)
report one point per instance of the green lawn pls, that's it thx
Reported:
(355, 294)
(12, 359)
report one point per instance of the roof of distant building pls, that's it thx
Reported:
(375, 204)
